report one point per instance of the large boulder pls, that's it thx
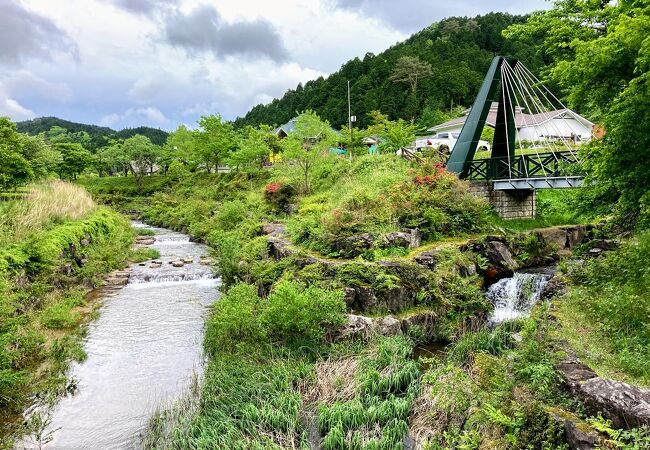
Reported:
(352, 246)
(624, 404)
(556, 238)
(502, 264)
(387, 326)
(578, 434)
(424, 320)
(499, 254)
(279, 247)
(576, 235)
(364, 298)
(362, 327)
(367, 299)
(409, 238)
(428, 259)
(395, 299)
(273, 229)
(356, 327)
(604, 244)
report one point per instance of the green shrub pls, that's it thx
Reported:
(235, 319)
(299, 315)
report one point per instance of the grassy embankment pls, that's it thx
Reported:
(274, 382)
(55, 244)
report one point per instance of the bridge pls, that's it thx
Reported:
(518, 164)
(539, 171)
(514, 89)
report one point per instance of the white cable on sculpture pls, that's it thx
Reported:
(535, 82)
(512, 81)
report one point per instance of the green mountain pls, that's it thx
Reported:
(99, 136)
(459, 50)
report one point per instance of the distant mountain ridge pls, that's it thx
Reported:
(99, 136)
(459, 50)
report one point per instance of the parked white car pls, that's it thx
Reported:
(445, 141)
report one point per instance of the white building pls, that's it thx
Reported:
(562, 124)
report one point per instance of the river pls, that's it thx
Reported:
(142, 350)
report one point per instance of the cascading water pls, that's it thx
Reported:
(515, 297)
(142, 350)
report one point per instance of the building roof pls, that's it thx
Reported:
(522, 119)
(287, 127)
(290, 126)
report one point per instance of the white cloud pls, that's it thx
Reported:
(25, 84)
(10, 107)
(128, 74)
(134, 117)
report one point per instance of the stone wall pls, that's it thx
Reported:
(510, 204)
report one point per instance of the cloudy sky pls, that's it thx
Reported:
(161, 63)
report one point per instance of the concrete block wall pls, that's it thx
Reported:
(510, 204)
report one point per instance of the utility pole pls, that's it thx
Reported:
(350, 120)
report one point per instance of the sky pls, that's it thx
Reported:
(161, 63)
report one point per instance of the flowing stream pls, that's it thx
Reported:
(515, 297)
(142, 350)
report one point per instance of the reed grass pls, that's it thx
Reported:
(46, 203)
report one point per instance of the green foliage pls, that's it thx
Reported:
(437, 204)
(62, 314)
(247, 401)
(394, 135)
(141, 155)
(308, 146)
(632, 439)
(253, 149)
(142, 254)
(75, 159)
(15, 169)
(98, 136)
(611, 292)
(370, 195)
(292, 314)
(235, 320)
(215, 141)
(493, 342)
(410, 70)
(297, 315)
(387, 383)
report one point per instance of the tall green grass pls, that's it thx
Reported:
(58, 247)
(610, 298)
(45, 204)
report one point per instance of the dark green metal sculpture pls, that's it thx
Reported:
(492, 90)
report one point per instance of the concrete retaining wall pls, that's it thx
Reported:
(510, 204)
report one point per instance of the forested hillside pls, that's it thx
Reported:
(99, 136)
(458, 51)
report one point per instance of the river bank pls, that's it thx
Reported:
(144, 348)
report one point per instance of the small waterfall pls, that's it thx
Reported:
(150, 277)
(172, 238)
(515, 297)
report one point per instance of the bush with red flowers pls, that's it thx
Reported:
(279, 195)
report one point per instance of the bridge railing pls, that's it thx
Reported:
(542, 165)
